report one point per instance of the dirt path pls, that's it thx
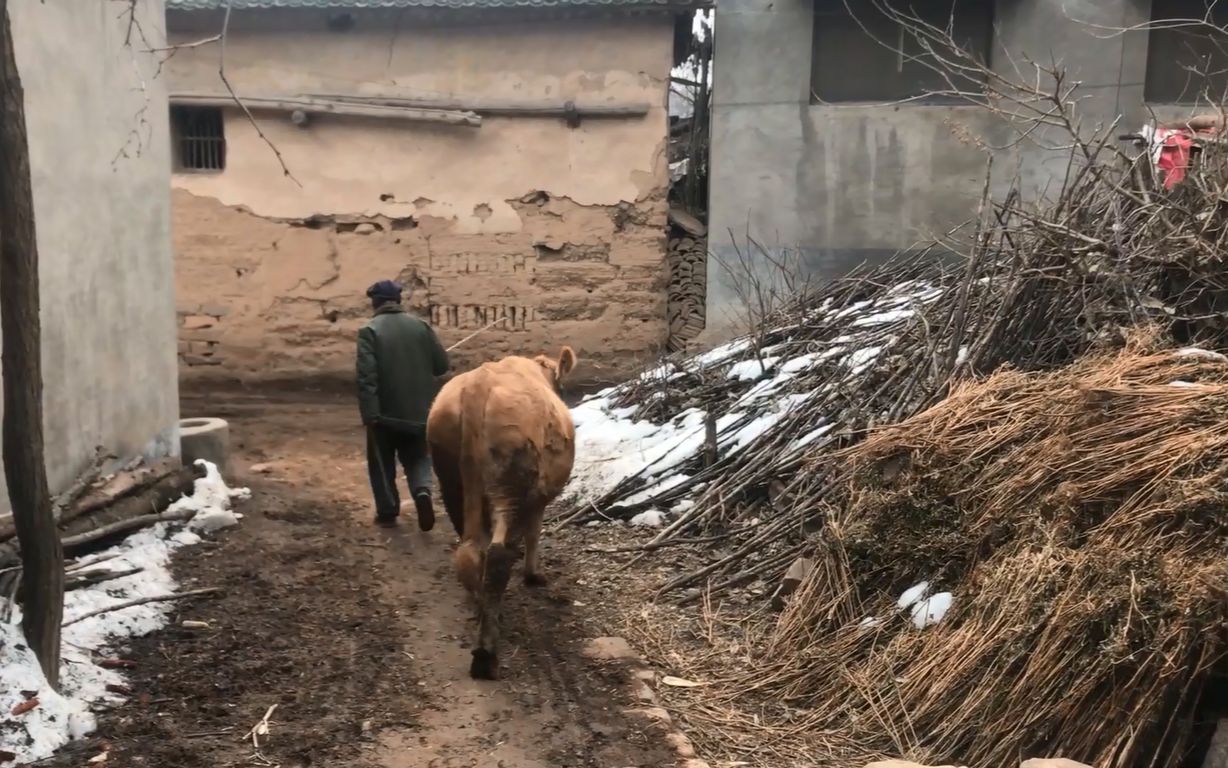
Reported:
(359, 635)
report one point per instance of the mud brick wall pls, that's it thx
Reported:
(266, 299)
(555, 227)
(200, 335)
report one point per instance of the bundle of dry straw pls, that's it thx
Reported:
(1077, 516)
(1038, 286)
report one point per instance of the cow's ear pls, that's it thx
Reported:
(567, 362)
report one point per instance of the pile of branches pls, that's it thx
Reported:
(1077, 517)
(100, 507)
(1033, 287)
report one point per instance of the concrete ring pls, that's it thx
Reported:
(207, 439)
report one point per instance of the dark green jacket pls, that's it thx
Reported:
(399, 358)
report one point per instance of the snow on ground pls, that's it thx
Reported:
(932, 610)
(913, 595)
(62, 717)
(1201, 354)
(612, 445)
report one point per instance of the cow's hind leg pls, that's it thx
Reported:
(497, 571)
(532, 556)
(452, 491)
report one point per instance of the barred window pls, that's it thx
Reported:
(199, 138)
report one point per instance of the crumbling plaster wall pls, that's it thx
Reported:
(99, 168)
(560, 228)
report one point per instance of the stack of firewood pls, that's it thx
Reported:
(688, 278)
(100, 507)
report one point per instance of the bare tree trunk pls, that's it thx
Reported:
(42, 557)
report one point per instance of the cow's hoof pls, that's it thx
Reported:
(485, 665)
(535, 580)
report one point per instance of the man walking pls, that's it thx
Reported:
(399, 362)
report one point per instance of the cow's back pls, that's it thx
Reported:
(527, 441)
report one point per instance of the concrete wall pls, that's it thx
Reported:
(561, 228)
(96, 118)
(848, 183)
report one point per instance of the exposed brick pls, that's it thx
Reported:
(210, 335)
(199, 322)
(201, 360)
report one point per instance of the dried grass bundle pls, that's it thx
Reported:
(1078, 518)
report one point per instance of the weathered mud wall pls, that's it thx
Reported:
(559, 228)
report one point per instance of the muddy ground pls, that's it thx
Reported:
(359, 635)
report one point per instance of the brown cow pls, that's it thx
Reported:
(503, 443)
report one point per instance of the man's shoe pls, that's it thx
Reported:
(386, 521)
(426, 510)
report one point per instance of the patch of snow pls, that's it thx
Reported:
(913, 594)
(882, 318)
(932, 610)
(664, 372)
(870, 622)
(755, 429)
(763, 388)
(611, 445)
(723, 352)
(852, 309)
(1186, 384)
(66, 716)
(1201, 354)
(961, 357)
(811, 436)
(661, 486)
(802, 362)
(861, 359)
(652, 518)
(749, 370)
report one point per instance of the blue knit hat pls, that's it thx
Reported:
(387, 290)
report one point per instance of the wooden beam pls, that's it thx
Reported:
(320, 106)
(498, 107)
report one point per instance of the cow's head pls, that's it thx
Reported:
(557, 370)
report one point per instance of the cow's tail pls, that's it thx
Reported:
(468, 556)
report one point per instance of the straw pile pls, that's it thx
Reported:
(993, 425)
(1038, 287)
(1077, 519)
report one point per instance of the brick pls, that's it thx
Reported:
(201, 360)
(198, 322)
(204, 335)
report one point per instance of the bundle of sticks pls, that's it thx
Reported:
(1034, 286)
(99, 507)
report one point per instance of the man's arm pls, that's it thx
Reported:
(368, 377)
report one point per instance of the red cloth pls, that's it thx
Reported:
(1174, 156)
